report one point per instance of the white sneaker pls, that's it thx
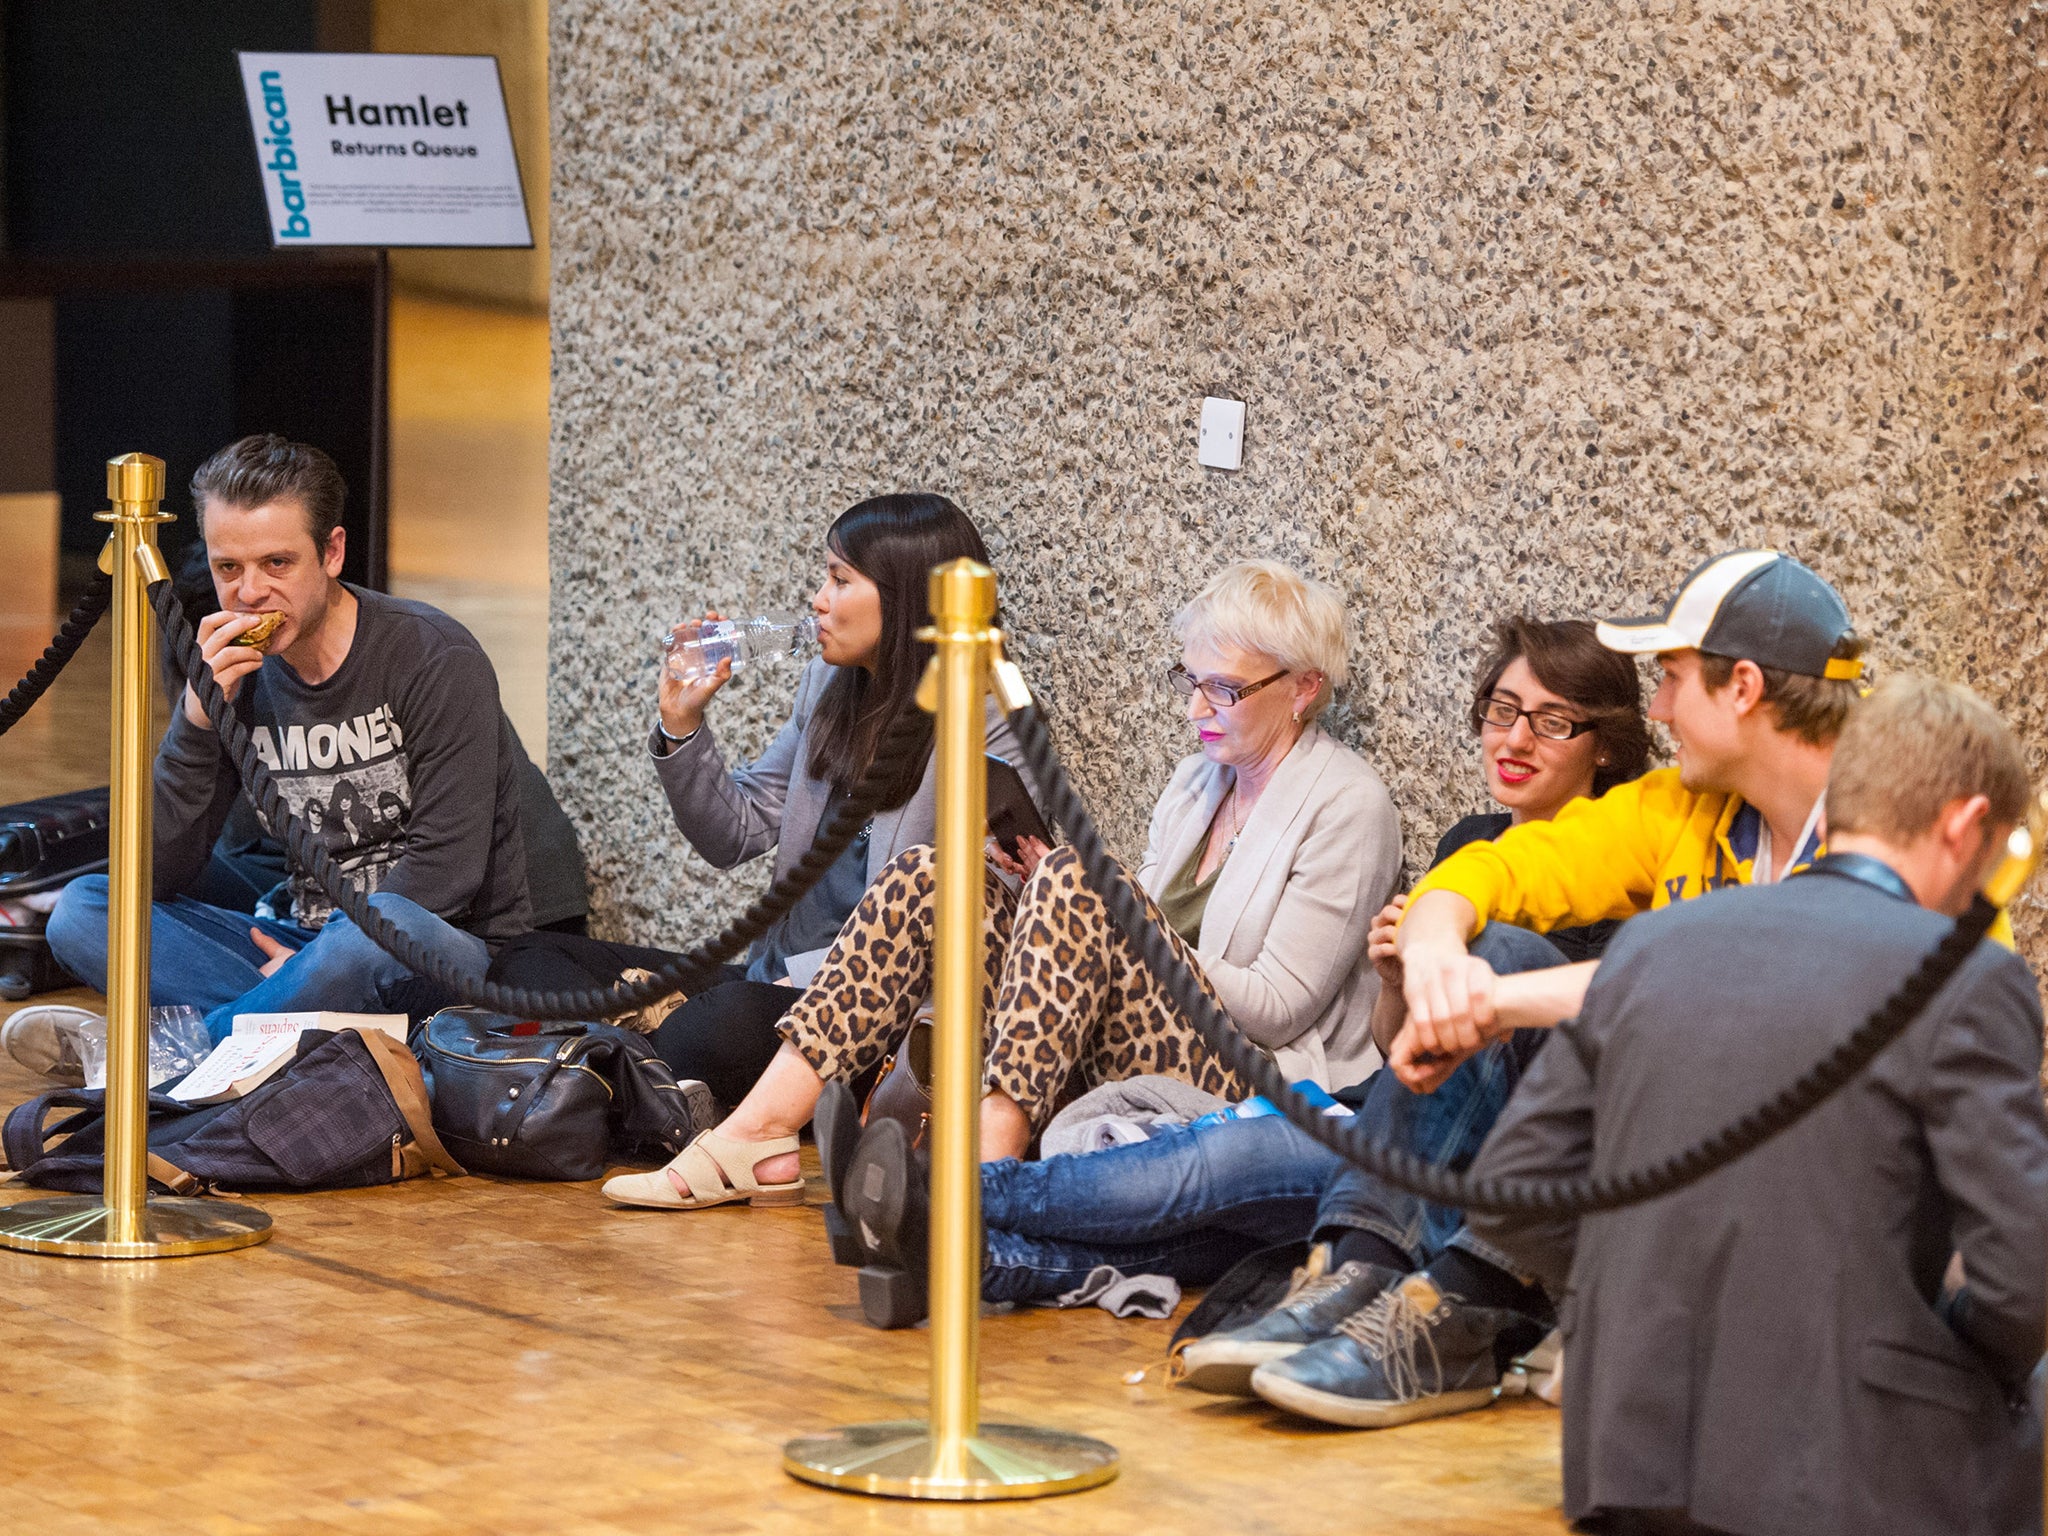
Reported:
(45, 1039)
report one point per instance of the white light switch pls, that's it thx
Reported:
(1222, 444)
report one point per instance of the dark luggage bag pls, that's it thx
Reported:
(43, 844)
(348, 1110)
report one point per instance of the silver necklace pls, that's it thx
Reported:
(1236, 825)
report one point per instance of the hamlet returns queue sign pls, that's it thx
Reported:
(384, 149)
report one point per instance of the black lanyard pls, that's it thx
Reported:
(1861, 866)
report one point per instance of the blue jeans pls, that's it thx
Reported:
(203, 957)
(1191, 1202)
(1446, 1127)
(1188, 1203)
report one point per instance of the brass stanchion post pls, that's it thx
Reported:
(955, 1455)
(126, 1223)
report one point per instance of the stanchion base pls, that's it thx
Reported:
(81, 1226)
(902, 1460)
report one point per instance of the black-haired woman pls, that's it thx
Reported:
(879, 555)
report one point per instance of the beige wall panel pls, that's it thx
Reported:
(516, 32)
(1533, 307)
(28, 554)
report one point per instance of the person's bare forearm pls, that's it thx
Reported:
(1541, 999)
(1437, 918)
(1389, 1013)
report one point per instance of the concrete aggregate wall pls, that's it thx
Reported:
(1533, 307)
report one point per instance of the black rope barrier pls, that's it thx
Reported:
(36, 681)
(1346, 1136)
(1352, 1140)
(905, 741)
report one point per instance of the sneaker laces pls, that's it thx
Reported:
(1388, 1328)
(1311, 1284)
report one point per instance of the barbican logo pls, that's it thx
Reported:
(282, 159)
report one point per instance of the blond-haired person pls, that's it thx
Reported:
(1269, 851)
(1788, 1345)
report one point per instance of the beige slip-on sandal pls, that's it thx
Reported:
(710, 1162)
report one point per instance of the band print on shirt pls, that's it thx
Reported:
(348, 782)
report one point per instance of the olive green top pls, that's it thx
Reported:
(1184, 900)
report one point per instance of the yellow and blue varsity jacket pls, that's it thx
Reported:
(1642, 845)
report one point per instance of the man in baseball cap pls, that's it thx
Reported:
(1755, 605)
(1760, 671)
(1761, 667)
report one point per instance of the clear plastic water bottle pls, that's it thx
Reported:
(693, 656)
(178, 1042)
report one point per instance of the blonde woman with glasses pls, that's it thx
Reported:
(1269, 851)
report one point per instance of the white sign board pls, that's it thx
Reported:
(384, 149)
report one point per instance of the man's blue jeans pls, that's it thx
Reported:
(1187, 1203)
(1447, 1127)
(203, 957)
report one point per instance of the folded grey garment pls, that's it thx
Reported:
(1122, 1295)
(1100, 1134)
(1136, 1102)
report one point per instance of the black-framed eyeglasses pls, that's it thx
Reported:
(1220, 695)
(1503, 713)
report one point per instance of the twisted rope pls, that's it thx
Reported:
(686, 973)
(36, 681)
(1347, 1137)
(1352, 1140)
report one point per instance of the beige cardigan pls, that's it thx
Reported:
(1283, 937)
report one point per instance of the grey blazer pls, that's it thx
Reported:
(1772, 1349)
(1283, 936)
(731, 815)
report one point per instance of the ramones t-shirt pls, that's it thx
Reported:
(402, 764)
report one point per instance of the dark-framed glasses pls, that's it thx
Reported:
(1551, 726)
(1220, 695)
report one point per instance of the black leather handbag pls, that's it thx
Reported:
(903, 1089)
(45, 842)
(552, 1100)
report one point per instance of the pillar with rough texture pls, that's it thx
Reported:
(1532, 308)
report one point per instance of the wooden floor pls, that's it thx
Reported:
(460, 1356)
(468, 1356)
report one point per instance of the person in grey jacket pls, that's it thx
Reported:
(1832, 1336)
(869, 606)
(1270, 851)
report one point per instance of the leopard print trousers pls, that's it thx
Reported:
(1070, 1004)
(860, 1004)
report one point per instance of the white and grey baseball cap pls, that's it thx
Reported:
(1752, 605)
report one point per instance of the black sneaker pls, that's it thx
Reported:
(1317, 1301)
(1412, 1352)
(885, 1201)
